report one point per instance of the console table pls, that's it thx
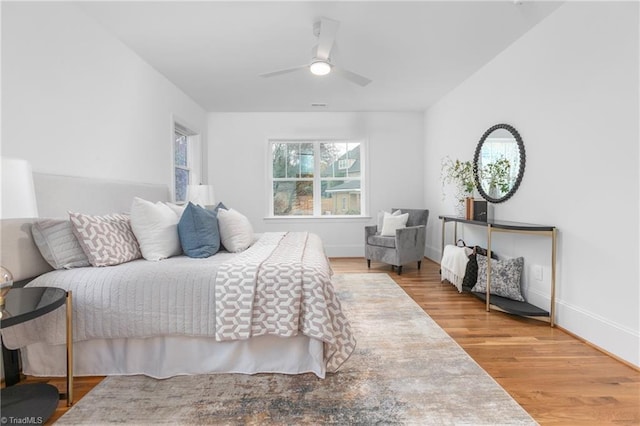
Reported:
(500, 303)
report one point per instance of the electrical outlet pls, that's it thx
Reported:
(537, 272)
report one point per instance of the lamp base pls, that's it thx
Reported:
(4, 290)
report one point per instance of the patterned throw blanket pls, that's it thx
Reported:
(279, 286)
(283, 287)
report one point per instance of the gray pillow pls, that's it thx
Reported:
(505, 277)
(58, 245)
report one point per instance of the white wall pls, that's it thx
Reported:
(570, 87)
(238, 166)
(76, 101)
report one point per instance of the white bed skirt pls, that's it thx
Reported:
(163, 357)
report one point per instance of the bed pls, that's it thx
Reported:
(268, 309)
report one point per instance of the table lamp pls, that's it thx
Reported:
(18, 201)
(18, 192)
(201, 195)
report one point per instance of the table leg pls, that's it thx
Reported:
(11, 366)
(488, 294)
(69, 306)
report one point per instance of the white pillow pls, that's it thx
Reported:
(177, 208)
(391, 223)
(382, 214)
(236, 232)
(156, 229)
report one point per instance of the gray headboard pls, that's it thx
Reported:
(56, 195)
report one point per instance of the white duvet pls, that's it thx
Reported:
(178, 296)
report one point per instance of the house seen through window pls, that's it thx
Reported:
(316, 178)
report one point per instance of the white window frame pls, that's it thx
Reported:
(194, 155)
(317, 179)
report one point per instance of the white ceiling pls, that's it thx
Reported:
(415, 52)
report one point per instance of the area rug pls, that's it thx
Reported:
(405, 370)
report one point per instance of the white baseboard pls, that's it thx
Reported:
(609, 336)
(602, 333)
(345, 250)
(433, 253)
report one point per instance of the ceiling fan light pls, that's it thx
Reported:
(320, 68)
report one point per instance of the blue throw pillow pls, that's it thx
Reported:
(198, 231)
(217, 207)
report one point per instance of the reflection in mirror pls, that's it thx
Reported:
(499, 163)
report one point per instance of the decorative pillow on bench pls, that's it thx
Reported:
(471, 273)
(505, 277)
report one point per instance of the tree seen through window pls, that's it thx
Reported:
(298, 188)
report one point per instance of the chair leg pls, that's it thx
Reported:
(419, 264)
(400, 270)
(369, 263)
(393, 267)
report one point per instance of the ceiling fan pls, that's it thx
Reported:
(325, 29)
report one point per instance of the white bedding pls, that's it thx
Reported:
(182, 296)
(168, 356)
(135, 299)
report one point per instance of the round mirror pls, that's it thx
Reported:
(498, 164)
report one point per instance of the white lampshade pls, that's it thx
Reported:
(200, 194)
(18, 192)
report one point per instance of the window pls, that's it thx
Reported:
(186, 160)
(316, 178)
(181, 169)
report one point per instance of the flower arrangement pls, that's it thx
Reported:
(496, 176)
(460, 175)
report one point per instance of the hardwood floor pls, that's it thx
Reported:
(557, 378)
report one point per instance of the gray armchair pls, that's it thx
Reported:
(406, 246)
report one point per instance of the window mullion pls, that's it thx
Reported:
(317, 181)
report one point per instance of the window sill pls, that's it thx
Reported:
(327, 218)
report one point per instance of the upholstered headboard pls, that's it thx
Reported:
(56, 195)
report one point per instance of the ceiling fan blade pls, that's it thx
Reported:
(351, 76)
(328, 30)
(285, 71)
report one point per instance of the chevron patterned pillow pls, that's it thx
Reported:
(106, 240)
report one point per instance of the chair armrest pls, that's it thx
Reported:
(411, 236)
(368, 231)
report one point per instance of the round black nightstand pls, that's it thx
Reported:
(33, 402)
